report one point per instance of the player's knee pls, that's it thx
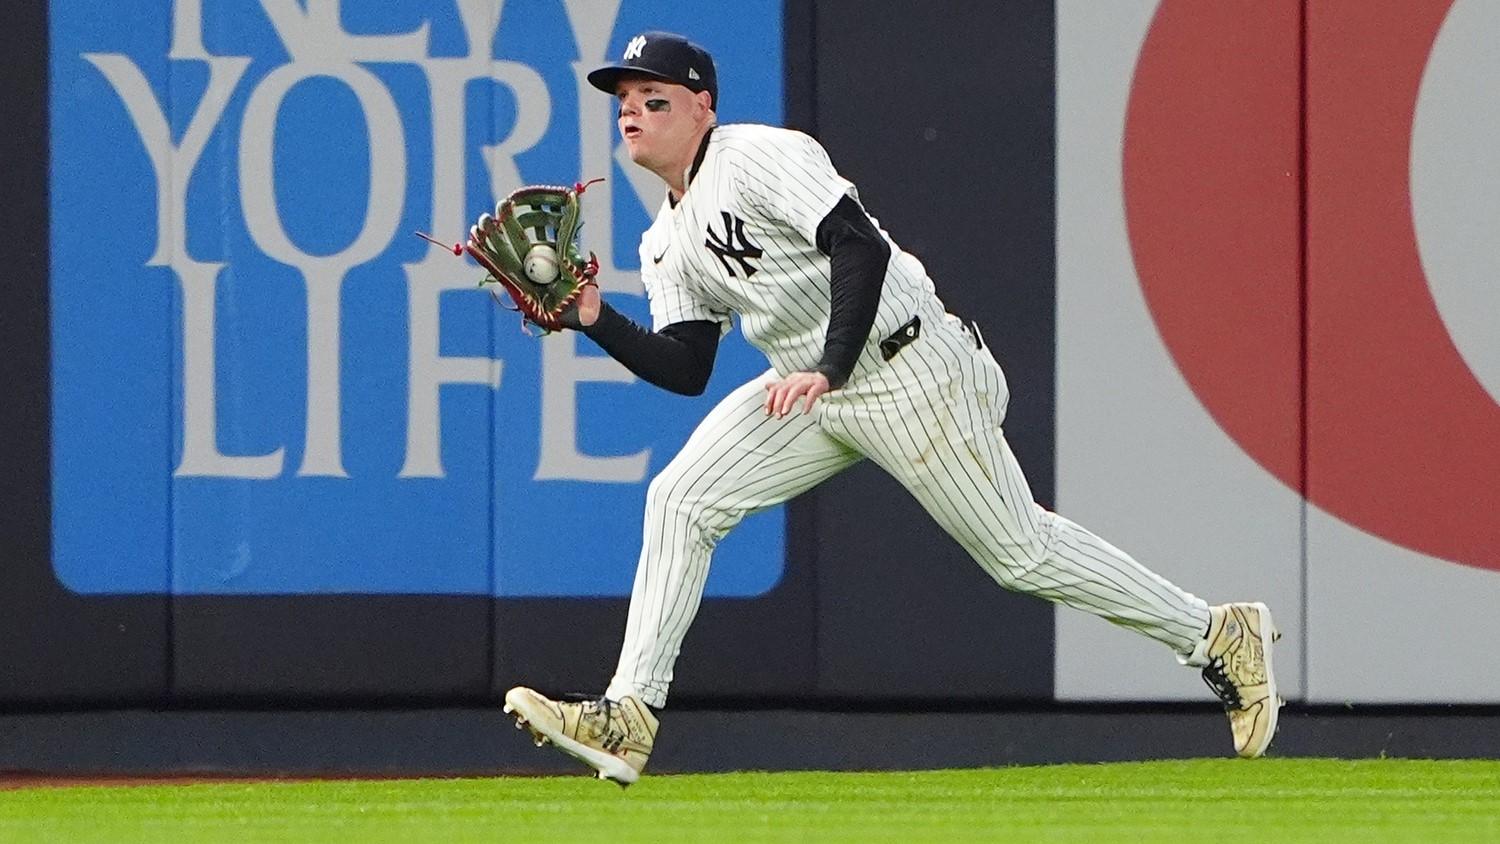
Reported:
(1027, 546)
(1011, 568)
(671, 498)
(1036, 545)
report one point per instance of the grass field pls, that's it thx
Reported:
(1270, 800)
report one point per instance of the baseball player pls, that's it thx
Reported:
(865, 363)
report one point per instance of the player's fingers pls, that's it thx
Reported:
(795, 389)
(814, 386)
(588, 304)
(778, 403)
(773, 389)
(814, 393)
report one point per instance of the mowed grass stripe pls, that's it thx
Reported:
(1269, 799)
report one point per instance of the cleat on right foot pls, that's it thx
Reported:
(612, 737)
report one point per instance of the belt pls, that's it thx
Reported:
(978, 338)
(909, 332)
(902, 338)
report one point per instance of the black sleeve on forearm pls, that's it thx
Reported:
(860, 256)
(679, 358)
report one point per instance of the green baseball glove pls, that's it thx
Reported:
(530, 248)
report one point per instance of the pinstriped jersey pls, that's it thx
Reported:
(743, 239)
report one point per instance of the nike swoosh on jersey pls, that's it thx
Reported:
(656, 259)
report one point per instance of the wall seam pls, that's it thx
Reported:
(1302, 288)
(174, 378)
(492, 666)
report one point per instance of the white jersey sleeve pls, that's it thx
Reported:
(788, 178)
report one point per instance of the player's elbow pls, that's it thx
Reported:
(687, 356)
(683, 381)
(693, 386)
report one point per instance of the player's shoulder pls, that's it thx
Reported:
(736, 140)
(758, 133)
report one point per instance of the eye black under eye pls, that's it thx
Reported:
(658, 105)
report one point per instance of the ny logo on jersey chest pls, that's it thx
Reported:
(734, 244)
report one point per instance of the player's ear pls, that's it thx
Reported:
(704, 101)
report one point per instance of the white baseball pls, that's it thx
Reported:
(541, 264)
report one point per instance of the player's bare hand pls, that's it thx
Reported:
(782, 395)
(588, 304)
(585, 309)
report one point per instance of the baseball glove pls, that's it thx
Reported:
(530, 248)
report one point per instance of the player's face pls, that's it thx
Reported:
(658, 120)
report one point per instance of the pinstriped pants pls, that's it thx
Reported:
(931, 417)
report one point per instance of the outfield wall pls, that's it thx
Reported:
(257, 460)
(1277, 363)
(253, 436)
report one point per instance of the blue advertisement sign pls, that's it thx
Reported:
(263, 383)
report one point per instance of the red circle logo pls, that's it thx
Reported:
(1301, 316)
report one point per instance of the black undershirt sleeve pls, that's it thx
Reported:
(859, 255)
(678, 358)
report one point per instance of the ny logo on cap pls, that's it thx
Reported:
(634, 48)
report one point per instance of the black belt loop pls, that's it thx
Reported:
(974, 333)
(901, 339)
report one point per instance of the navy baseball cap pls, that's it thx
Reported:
(664, 56)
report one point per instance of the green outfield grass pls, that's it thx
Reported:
(1269, 800)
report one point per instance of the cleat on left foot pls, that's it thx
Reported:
(1239, 671)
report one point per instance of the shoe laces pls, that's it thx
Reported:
(593, 706)
(1217, 678)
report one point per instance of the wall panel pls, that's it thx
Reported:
(1179, 317)
(1403, 436)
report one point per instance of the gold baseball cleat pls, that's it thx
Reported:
(612, 737)
(1239, 672)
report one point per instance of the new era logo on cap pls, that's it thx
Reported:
(664, 56)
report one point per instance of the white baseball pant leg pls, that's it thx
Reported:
(738, 461)
(932, 419)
